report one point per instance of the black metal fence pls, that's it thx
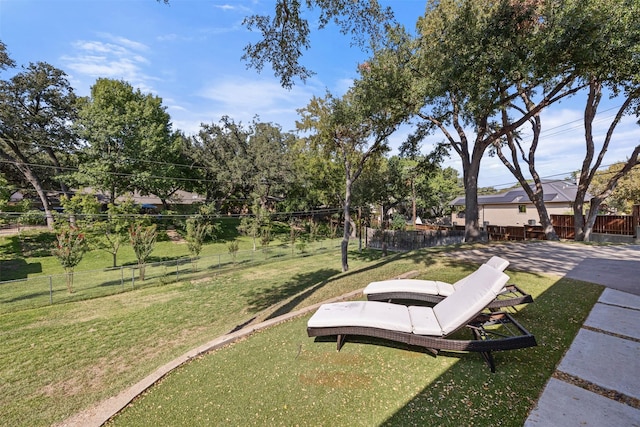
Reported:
(395, 240)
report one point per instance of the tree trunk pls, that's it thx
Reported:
(471, 214)
(413, 203)
(21, 164)
(591, 218)
(70, 281)
(35, 182)
(545, 220)
(347, 225)
(596, 201)
(578, 217)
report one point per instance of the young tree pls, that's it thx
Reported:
(37, 107)
(252, 225)
(112, 232)
(199, 227)
(196, 232)
(355, 129)
(143, 239)
(233, 247)
(69, 248)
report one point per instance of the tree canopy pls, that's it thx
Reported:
(122, 129)
(38, 106)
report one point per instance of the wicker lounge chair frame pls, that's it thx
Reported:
(431, 328)
(514, 336)
(511, 296)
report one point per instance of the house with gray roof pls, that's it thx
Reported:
(514, 207)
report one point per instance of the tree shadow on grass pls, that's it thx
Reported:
(18, 269)
(264, 298)
(309, 288)
(27, 297)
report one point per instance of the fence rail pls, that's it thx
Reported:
(605, 224)
(39, 291)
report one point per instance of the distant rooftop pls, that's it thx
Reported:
(554, 191)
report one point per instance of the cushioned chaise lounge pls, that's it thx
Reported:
(433, 291)
(429, 327)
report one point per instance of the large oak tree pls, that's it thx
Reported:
(122, 130)
(37, 107)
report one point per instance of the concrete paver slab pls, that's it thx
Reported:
(604, 360)
(622, 299)
(615, 319)
(564, 404)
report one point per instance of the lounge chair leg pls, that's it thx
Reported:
(340, 341)
(488, 357)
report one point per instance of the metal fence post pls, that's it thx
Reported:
(133, 277)
(177, 269)
(122, 276)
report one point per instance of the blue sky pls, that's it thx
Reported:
(188, 53)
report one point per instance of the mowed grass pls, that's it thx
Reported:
(38, 280)
(59, 360)
(281, 377)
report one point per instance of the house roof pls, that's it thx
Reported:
(554, 192)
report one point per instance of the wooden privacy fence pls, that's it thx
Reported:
(527, 232)
(605, 224)
(624, 225)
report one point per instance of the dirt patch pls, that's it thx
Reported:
(175, 237)
(336, 380)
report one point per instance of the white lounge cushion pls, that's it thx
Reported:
(469, 299)
(371, 314)
(495, 262)
(447, 316)
(428, 287)
(424, 321)
(498, 263)
(431, 287)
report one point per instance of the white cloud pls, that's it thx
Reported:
(242, 99)
(124, 42)
(232, 8)
(117, 58)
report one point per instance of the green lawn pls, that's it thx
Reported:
(38, 280)
(58, 360)
(281, 377)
